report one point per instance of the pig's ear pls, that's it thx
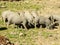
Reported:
(51, 18)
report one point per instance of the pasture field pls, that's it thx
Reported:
(36, 36)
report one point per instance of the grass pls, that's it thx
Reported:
(32, 36)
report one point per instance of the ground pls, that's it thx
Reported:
(36, 36)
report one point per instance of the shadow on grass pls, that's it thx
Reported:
(3, 28)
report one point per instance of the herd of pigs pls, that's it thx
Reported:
(30, 19)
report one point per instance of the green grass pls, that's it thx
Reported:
(31, 36)
(23, 36)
